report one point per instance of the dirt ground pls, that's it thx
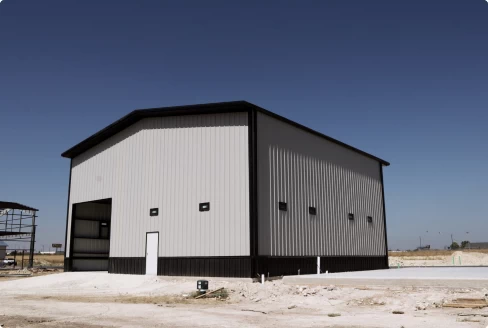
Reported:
(45, 260)
(81, 299)
(439, 258)
(17, 274)
(48, 259)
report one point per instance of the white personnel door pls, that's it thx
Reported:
(152, 244)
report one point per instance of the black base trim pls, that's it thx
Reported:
(237, 267)
(67, 265)
(127, 265)
(287, 266)
(240, 266)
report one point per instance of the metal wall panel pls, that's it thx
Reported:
(127, 265)
(302, 169)
(172, 163)
(93, 211)
(90, 265)
(237, 267)
(84, 228)
(81, 245)
(283, 266)
(81, 255)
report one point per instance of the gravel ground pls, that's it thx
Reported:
(460, 259)
(97, 299)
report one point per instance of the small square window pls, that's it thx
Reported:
(350, 216)
(204, 207)
(370, 219)
(154, 212)
(312, 210)
(282, 206)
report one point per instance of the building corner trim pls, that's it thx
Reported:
(67, 267)
(253, 197)
(384, 215)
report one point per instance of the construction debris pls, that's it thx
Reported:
(15, 275)
(209, 293)
(468, 320)
(251, 310)
(470, 303)
(473, 315)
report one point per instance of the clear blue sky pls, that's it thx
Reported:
(404, 80)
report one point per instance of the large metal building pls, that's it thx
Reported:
(225, 189)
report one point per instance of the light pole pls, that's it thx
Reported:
(420, 239)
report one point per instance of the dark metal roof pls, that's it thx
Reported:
(211, 108)
(16, 206)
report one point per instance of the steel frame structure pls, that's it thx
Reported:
(18, 223)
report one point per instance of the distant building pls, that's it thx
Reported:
(3, 250)
(423, 248)
(483, 245)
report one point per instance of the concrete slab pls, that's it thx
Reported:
(472, 277)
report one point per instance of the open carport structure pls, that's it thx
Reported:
(18, 224)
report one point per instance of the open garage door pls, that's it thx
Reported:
(90, 235)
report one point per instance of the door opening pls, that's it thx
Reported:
(89, 245)
(152, 245)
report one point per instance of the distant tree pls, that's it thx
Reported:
(464, 243)
(454, 245)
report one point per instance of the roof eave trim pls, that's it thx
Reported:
(303, 127)
(138, 114)
(209, 108)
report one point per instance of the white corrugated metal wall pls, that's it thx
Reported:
(302, 169)
(172, 163)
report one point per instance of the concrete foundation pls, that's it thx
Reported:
(465, 277)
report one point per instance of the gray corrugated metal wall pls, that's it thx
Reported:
(172, 163)
(93, 211)
(305, 170)
(90, 265)
(86, 246)
(88, 229)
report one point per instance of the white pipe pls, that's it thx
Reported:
(318, 264)
(262, 279)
